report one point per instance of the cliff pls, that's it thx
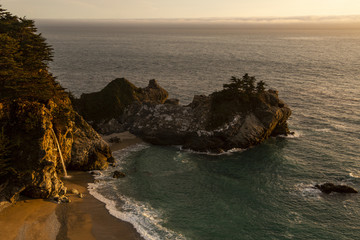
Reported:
(31, 164)
(39, 129)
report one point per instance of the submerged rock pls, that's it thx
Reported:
(330, 187)
(118, 174)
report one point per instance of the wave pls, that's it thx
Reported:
(354, 174)
(229, 152)
(303, 38)
(296, 134)
(122, 154)
(147, 221)
(323, 130)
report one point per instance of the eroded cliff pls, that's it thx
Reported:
(31, 164)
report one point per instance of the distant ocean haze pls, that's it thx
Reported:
(261, 193)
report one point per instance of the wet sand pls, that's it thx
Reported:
(125, 139)
(82, 218)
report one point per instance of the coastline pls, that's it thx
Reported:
(82, 218)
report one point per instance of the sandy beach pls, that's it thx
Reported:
(82, 218)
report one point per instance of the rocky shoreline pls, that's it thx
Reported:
(49, 136)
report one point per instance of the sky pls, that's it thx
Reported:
(155, 9)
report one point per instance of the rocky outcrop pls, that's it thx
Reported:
(207, 126)
(330, 187)
(110, 102)
(31, 164)
(231, 118)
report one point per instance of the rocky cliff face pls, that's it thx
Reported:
(110, 102)
(204, 126)
(31, 161)
(37, 121)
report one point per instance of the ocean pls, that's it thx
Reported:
(265, 192)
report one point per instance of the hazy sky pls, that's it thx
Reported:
(134, 9)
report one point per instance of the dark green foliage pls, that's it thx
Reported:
(240, 95)
(31, 50)
(5, 156)
(24, 58)
(260, 87)
(245, 85)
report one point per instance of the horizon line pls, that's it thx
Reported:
(272, 19)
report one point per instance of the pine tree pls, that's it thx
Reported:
(260, 87)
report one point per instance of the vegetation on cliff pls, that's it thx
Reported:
(240, 95)
(33, 106)
(24, 58)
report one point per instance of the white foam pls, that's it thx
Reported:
(296, 134)
(355, 174)
(229, 152)
(121, 155)
(308, 190)
(146, 220)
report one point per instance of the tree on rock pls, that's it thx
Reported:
(240, 95)
(260, 87)
(245, 85)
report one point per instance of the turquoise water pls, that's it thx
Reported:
(265, 192)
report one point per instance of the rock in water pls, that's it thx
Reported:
(231, 118)
(118, 174)
(111, 101)
(210, 123)
(330, 187)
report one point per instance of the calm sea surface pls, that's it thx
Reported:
(261, 193)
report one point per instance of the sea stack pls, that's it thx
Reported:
(239, 116)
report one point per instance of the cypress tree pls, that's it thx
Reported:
(24, 59)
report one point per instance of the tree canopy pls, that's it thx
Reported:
(239, 95)
(246, 85)
(24, 58)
